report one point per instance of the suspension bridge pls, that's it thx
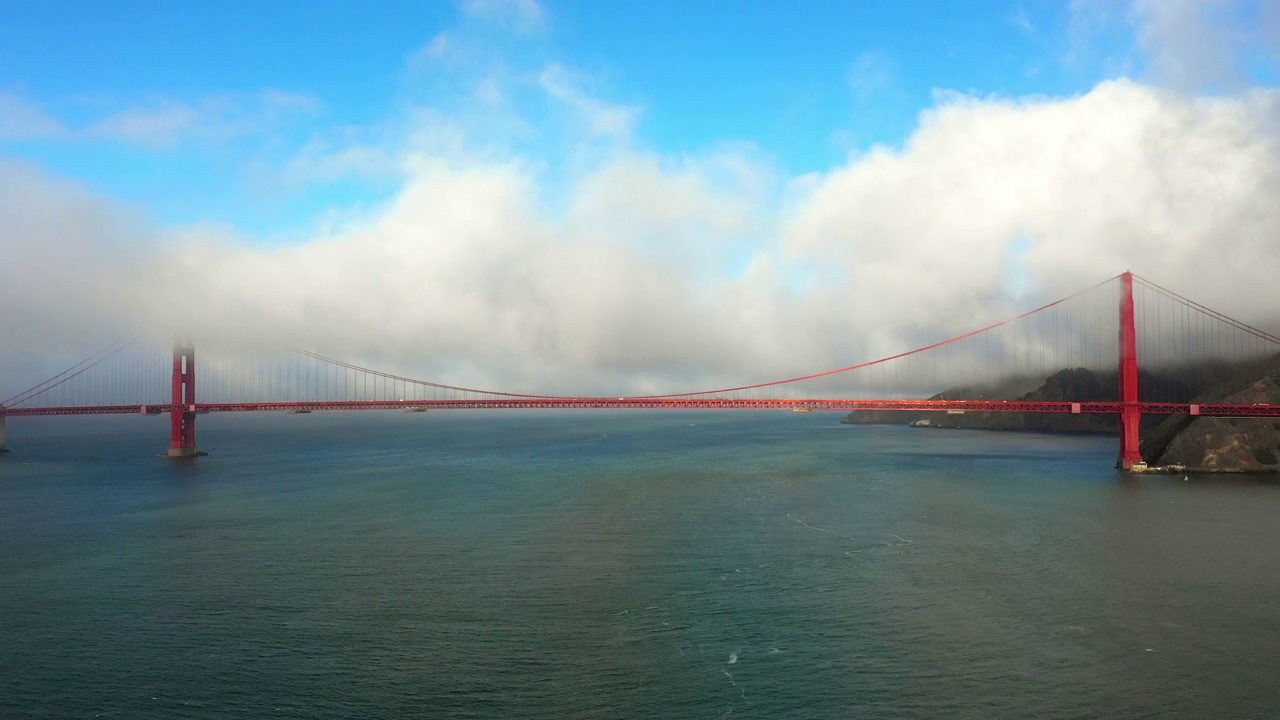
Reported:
(1185, 348)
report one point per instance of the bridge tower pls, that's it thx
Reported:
(1130, 410)
(182, 411)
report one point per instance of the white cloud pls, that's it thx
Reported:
(489, 92)
(482, 129)
(664, 272)
(325, 159)
(523, 16)
(21, 119)
(161, 125)
(1023, 22)
(1123, 177)
(1188, 45)
(873, 72)
(167, 122)
(71, 268)
(469, 258)
(436, 49)
(601, 118)
(1088, 17)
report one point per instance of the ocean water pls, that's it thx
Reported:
(622, 565)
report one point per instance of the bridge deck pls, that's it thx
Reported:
(713, 403)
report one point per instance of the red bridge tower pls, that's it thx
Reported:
(182, 411)
(1130, 410)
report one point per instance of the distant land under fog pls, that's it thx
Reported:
(1210, 443)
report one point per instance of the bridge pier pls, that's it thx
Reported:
(1131, 411)
(3, 438)
(182, 411)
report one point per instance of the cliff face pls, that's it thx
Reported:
(1077, 384)
(1196, 442)
(1219, 443)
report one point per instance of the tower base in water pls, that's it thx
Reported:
(1130, 410)
(181, 453)
(182, 413)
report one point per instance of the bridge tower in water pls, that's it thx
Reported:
(182, 411)
(1130, 410)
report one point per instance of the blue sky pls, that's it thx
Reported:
(636, 193)
(806, 83)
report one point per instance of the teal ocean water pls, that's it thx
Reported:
(626, 564)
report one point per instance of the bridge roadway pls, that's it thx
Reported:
(670, 403)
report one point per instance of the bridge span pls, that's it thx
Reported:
(1185, 347)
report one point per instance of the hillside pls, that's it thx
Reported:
(1224, 443)
(1079, 384)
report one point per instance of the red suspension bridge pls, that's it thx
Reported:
(1184, 348)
